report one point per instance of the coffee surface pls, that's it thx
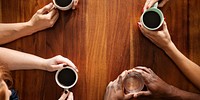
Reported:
(63, 3)
(132, 83)
(151, 19)
(66, 77)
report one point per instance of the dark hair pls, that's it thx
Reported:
(6, 76)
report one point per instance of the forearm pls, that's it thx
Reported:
(189, 68)
(16, 60)
(177, 94)
(13, 31)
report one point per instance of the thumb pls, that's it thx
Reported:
(162, 3)
(164, 25)
(152, 2)
(64, 96)
(142, 93)
(70, 96)
(75, 4)
(46, 8)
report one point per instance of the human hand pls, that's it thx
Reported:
(75, 4)
(58, 62)
(156, 86)
(150, 3)
(67, 95)
(44, 18)
(115, 91)
(161, 38)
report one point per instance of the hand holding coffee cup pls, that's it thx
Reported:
(66, 78)
(152, 18)
(150, 3)
(65, 4)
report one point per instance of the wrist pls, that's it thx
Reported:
(173, 93)
(169, 48)
(31, 27)
(44, 64)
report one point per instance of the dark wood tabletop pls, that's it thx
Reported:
(102, 38)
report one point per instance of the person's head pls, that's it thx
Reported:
(5, 83)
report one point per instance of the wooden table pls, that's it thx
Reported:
(102, 38)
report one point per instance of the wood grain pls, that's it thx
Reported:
(102, 38)
(194, 30)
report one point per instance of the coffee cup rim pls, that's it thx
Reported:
(160, 15)
(62, 86)
(63, 8)
(139, 77)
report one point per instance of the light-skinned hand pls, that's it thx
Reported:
(161, 38)
(75, 4)
(44, 18)
(67, 96)
(150, 3)
(58, 62)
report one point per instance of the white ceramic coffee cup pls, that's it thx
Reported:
(158, 11)
(63, 8)
(66, 87)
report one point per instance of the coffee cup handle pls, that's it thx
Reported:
(155, 5)
(66, 90)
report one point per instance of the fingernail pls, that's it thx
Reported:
(148, 7)
(66, 92)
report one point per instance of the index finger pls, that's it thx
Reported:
(46, 8)
(63, 96)
(145, 5)
(146, 31)
(70, 96)
(62, 59)
(143, 74)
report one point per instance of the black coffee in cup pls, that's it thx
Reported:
(63, 3)
(151, 19)
(66, 77)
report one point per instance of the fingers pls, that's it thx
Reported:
(51, 14)
(123, 74)
(46, 8)
(148, 70)
(64, 95)
(162, 3)
(142, 93)
(75, 4)
(146, 31)
(128, 96)
(148, 4)
(120, 80)
(57, 67)
(61, 59)
(144, 74)
(151, 3)
(54, 19)
(165, 26)
(70, 96)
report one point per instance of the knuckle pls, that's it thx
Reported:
(58, 56)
